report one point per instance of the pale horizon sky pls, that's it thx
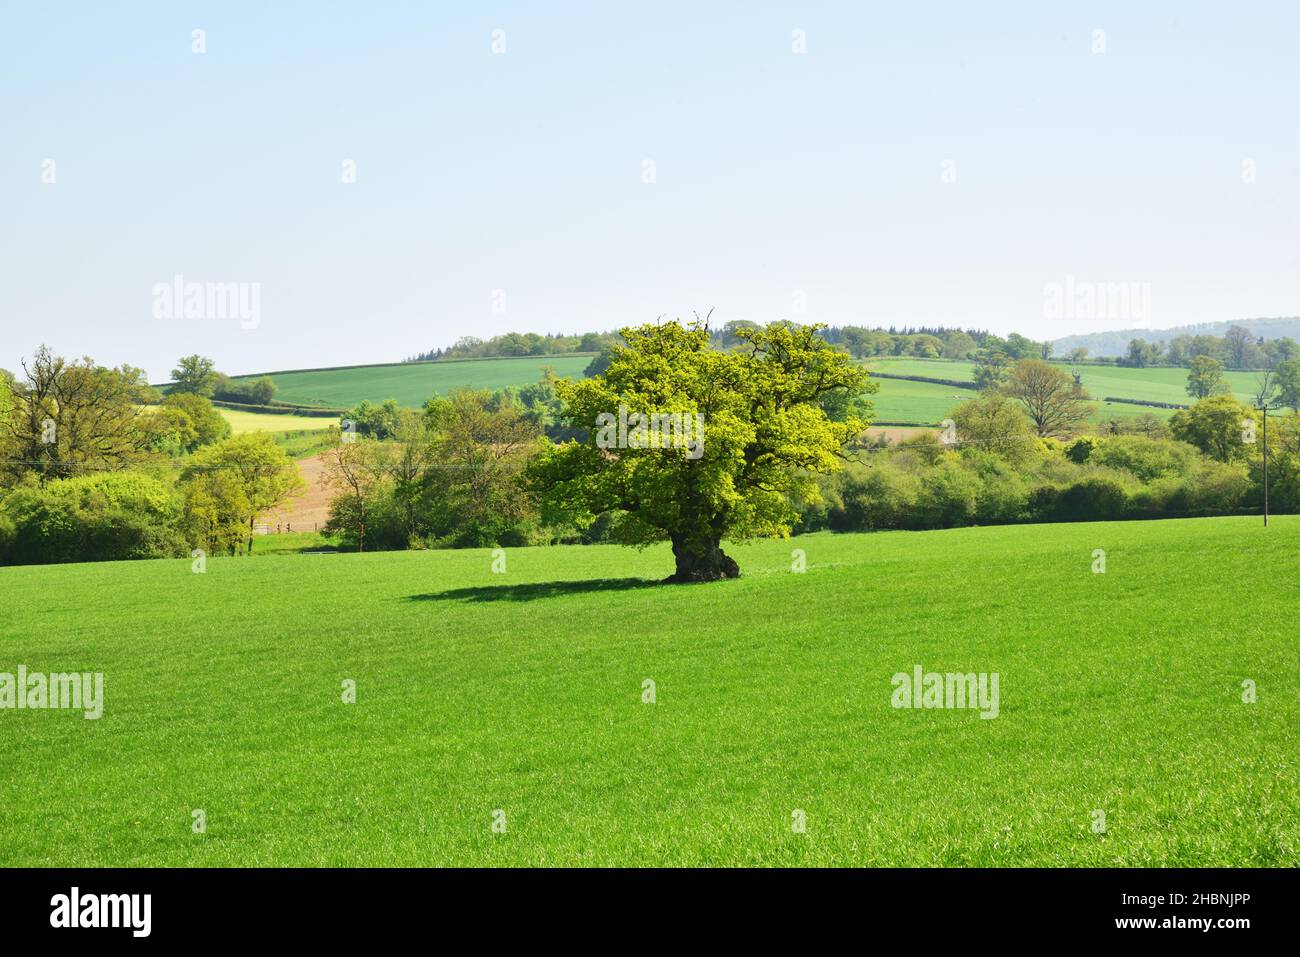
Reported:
(938, 164)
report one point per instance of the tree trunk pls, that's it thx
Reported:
(702, 561)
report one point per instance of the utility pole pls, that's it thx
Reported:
(1266, 399)
(1265, 465)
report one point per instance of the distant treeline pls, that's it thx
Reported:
(924, 342)
(1238, 348)
(516, 344)
(1116, 344)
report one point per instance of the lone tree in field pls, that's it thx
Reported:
(196, 375)
(1055, 402)
(1205, 377)
(990, 370)
(748, 431)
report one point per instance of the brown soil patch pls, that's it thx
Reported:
(310, 508)
(897, 433)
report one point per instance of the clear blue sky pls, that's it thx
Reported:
(776, 172)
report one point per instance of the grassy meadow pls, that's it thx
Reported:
(522, 692)
(900, 400)
(242, 422)
(412, 383)
(919, 403)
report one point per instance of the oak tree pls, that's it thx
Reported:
(760, 436)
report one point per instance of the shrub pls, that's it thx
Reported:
(880, 497)
(1217, 487)
(1147, 458)
(1081, 449)
(8, 533)
(1090, 499)
(1003, 493)
(245, 392)
(1216, 426)
(101, 517)
(948, 497)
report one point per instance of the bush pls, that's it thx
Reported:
(1147, 458)
(880, 497)
(1214, 488)
(103, 517)
(1081, 449)
(1091, 499)
(948, 497)
(1003, 494)
(1217, 487)
(8, 533)
(244, 392)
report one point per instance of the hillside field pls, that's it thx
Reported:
(523, 692)
(242, 422)
(899, 400)
(412, 383)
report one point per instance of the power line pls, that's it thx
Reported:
(55, 465)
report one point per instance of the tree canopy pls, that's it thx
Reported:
(1053, 399)
(1221, 426)
(764, 434)
(261, 477)
(1205, 377)
(195, 374)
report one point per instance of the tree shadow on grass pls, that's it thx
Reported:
(534, 590)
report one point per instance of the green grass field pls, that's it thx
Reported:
(522, 692)
(928, 403)
(303, 444)
(412, 383)
(920, 403)
(904, 401)
(290, 543)
(897, 401)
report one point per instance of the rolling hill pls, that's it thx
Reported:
(903, 400)
(1116, 343)
(899, 401)
(411, 383)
